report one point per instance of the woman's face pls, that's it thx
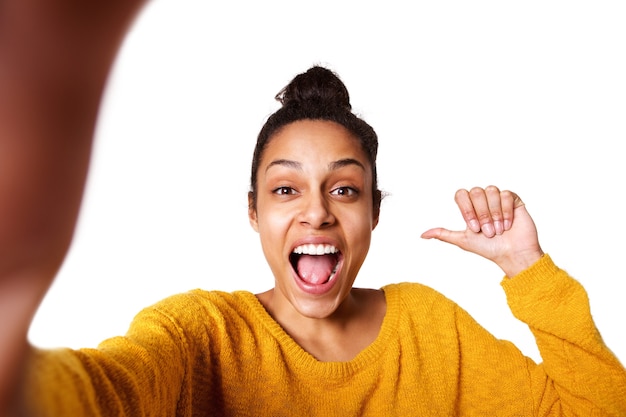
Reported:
(314, 214)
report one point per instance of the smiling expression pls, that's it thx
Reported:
(314, 197)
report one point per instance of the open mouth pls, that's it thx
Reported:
(315, 264)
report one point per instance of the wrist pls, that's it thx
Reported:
(520, 262)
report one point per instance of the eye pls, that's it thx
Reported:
(345, 192)
(284, 191)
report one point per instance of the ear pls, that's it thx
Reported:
(252, 217)
(378, 197)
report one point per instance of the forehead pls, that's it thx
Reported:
(309, 139)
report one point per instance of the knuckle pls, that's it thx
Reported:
(484, 217)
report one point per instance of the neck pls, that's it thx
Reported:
(339, 336)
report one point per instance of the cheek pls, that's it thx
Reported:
(361, 239)
(272, 227)
(358, 229)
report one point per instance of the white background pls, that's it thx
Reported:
(530, 96)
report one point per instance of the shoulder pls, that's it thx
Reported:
(204, 298)
(418, 307)
(416, 295)
(201, 308)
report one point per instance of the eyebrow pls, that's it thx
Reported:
(286, 163)
(344, 163)
(332, 166)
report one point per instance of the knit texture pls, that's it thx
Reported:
(213, 353)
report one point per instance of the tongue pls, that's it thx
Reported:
(316, 269)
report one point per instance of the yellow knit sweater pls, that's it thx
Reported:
(220, 354)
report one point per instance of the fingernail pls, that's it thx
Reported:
(474, 225)
(498, 226)
(507, 224)
(488, 230)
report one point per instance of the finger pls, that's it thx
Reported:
(509, 201)
(431, 233)
(483, 213)
(463, 201)
(495, 208)
(453, 237)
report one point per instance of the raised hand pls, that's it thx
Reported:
(499, 228)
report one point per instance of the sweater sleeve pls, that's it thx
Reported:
(144, 373)
(579, 374)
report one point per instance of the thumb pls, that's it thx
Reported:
(456, 238)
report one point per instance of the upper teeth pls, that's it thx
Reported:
(315, 249)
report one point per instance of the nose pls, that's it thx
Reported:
(316, 211)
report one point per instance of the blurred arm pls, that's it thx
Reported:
(55, 56)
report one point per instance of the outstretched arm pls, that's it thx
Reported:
(55, 56)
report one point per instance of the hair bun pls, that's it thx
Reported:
(317, 86)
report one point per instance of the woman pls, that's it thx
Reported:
(316, 345)
(313, 344)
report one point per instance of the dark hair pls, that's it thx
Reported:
(317, 94)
